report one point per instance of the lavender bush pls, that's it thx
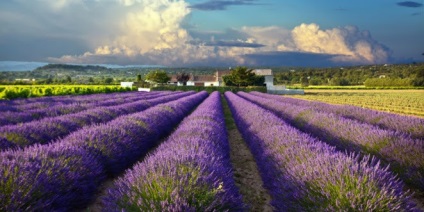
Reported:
(62, 108)
(64, 176)
(124, 140)
(304, 174)
(46, 130)
(50, 177)
(190, 171)
(413, 126)
(46, 101)
(5, 144)
(404, 154)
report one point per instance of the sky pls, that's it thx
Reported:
(212, 32)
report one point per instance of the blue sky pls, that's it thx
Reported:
(212, 32)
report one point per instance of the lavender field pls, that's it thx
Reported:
(170, 151)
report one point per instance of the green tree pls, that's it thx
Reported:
(68, 79)
(240, 76)
(157, 76)
(419, 78)
(49, 80)
(304, 81)
(138, 77)
(108, 80)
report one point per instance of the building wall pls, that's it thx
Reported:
(127, 84)
(212, 84)
(269, 80)
(198, 83)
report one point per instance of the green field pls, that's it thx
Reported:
(408, 102)
(26, 91)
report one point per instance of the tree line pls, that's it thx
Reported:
(373, 76)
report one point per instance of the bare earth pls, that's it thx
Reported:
(246, 174)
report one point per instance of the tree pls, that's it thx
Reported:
(68, 79)
(228, 80)
(90, 80)
(108, 80)
(138, 77)
(419, 78)
(240, 76)
(183, 77)
(157, 76)
(304, 81)
(49, 80)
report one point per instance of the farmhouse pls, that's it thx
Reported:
(216, 79)
(200, 80)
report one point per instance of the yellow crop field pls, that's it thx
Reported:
(408, 102)
(25, 91)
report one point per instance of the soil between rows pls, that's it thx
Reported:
(246, 174)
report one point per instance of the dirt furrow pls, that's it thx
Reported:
(246, 173)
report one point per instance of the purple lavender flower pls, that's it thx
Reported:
(50, 177)
(190, 171)
(404, 154)
(64, 175)
(46, 130)
(305, 174)
(413, 126)
(38, 110)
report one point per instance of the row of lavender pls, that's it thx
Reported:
(58, 108)
(65, 175)
(48, 129)
(404, 154)
(190, 171)
(42, 102)
(305, 174)
(413, 126)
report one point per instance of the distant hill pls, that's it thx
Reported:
(19, 66)
(65, 67)
(29, 66)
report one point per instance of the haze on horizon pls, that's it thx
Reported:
(212, 32)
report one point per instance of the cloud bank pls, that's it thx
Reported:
(153, 32)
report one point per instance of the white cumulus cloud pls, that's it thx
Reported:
(347, 44)
(352, 44)
(151, 31)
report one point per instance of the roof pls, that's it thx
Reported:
(204, 78)
(222, 73)
(198, 78)
(174, 77)
(263, 72)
